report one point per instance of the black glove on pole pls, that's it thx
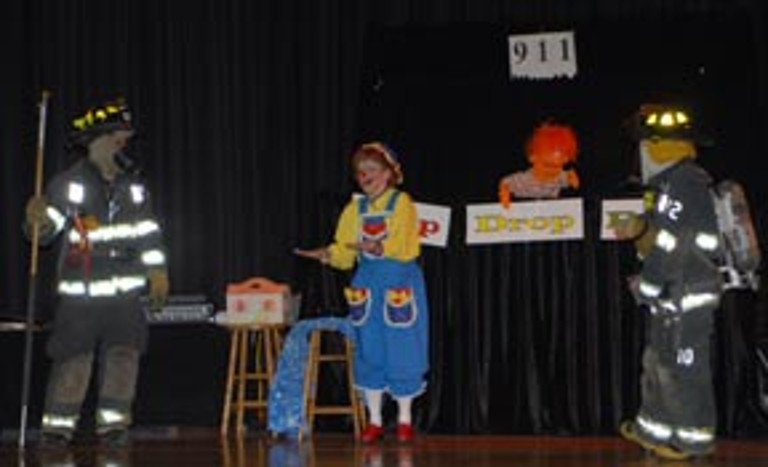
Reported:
(31, 292)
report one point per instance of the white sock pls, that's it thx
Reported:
(373, 400)
(404, 410)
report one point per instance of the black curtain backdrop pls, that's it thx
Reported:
(248, 112)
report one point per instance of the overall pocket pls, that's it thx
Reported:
(400, 307)
(359, 302)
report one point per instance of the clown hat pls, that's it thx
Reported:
(383, 152)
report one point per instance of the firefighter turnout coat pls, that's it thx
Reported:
(109, 241)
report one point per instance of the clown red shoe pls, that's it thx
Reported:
(404, 432)
(371, 434)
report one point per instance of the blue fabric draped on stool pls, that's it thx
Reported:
(286, 411)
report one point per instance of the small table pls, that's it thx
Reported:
(256, 364)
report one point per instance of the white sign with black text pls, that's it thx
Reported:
(525, 221)
(542, 56)
(434, 224)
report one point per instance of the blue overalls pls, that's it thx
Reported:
(388, 308)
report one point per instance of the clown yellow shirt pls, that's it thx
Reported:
(402, 242)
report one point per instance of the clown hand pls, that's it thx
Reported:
(320, 254)
(368, 246)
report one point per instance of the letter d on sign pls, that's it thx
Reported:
(487, 224)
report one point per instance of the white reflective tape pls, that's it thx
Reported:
(153, 258)
(102, 288)
(76, 192)
(109, 233)
(696, 300)
(666, 241)
(111, 416)
(72, 288)
(663, 203)
(56, 217)
(669, 207)
(649, 290)
(695, 435)
(707, 241)
(668, 305)
(656, 429)
(685, 356)
(74, 236)
(146, 227)
(137, 194)
(57, 421)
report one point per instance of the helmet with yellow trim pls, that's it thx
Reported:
(667, 121)
(96, 121)
(665, 134)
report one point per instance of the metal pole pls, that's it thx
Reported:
(31, 291)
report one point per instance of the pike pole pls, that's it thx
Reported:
(31, 290)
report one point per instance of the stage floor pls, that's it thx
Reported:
(203, 447)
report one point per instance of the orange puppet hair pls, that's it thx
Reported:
(551, 138)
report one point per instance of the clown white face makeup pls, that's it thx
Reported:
(373, 177)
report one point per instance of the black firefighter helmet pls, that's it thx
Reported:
(96, 121)
(667, 121)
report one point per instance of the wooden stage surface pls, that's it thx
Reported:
(203, 447)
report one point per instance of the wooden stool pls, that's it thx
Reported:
(254, 364)
(355, 407)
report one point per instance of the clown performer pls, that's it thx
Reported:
(387, 298)
(110, 252)
(550, 148)
(680, 286)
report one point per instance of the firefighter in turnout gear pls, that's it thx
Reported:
(110, 252)
(679, 285)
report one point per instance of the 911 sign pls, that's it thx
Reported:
(542, 56)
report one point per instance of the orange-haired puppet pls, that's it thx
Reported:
(550, 148)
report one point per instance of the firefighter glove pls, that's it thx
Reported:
(36, 212)
(159, 287)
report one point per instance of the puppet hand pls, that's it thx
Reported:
(505, 196)
(573, 179)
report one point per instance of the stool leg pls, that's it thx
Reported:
(269, 355)
(310, 382)
(277, 341)
(360, 404)
(242, 369)
(269, 370)
(259, 341)
(227, 409)
(315, 372)
(305, 391)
